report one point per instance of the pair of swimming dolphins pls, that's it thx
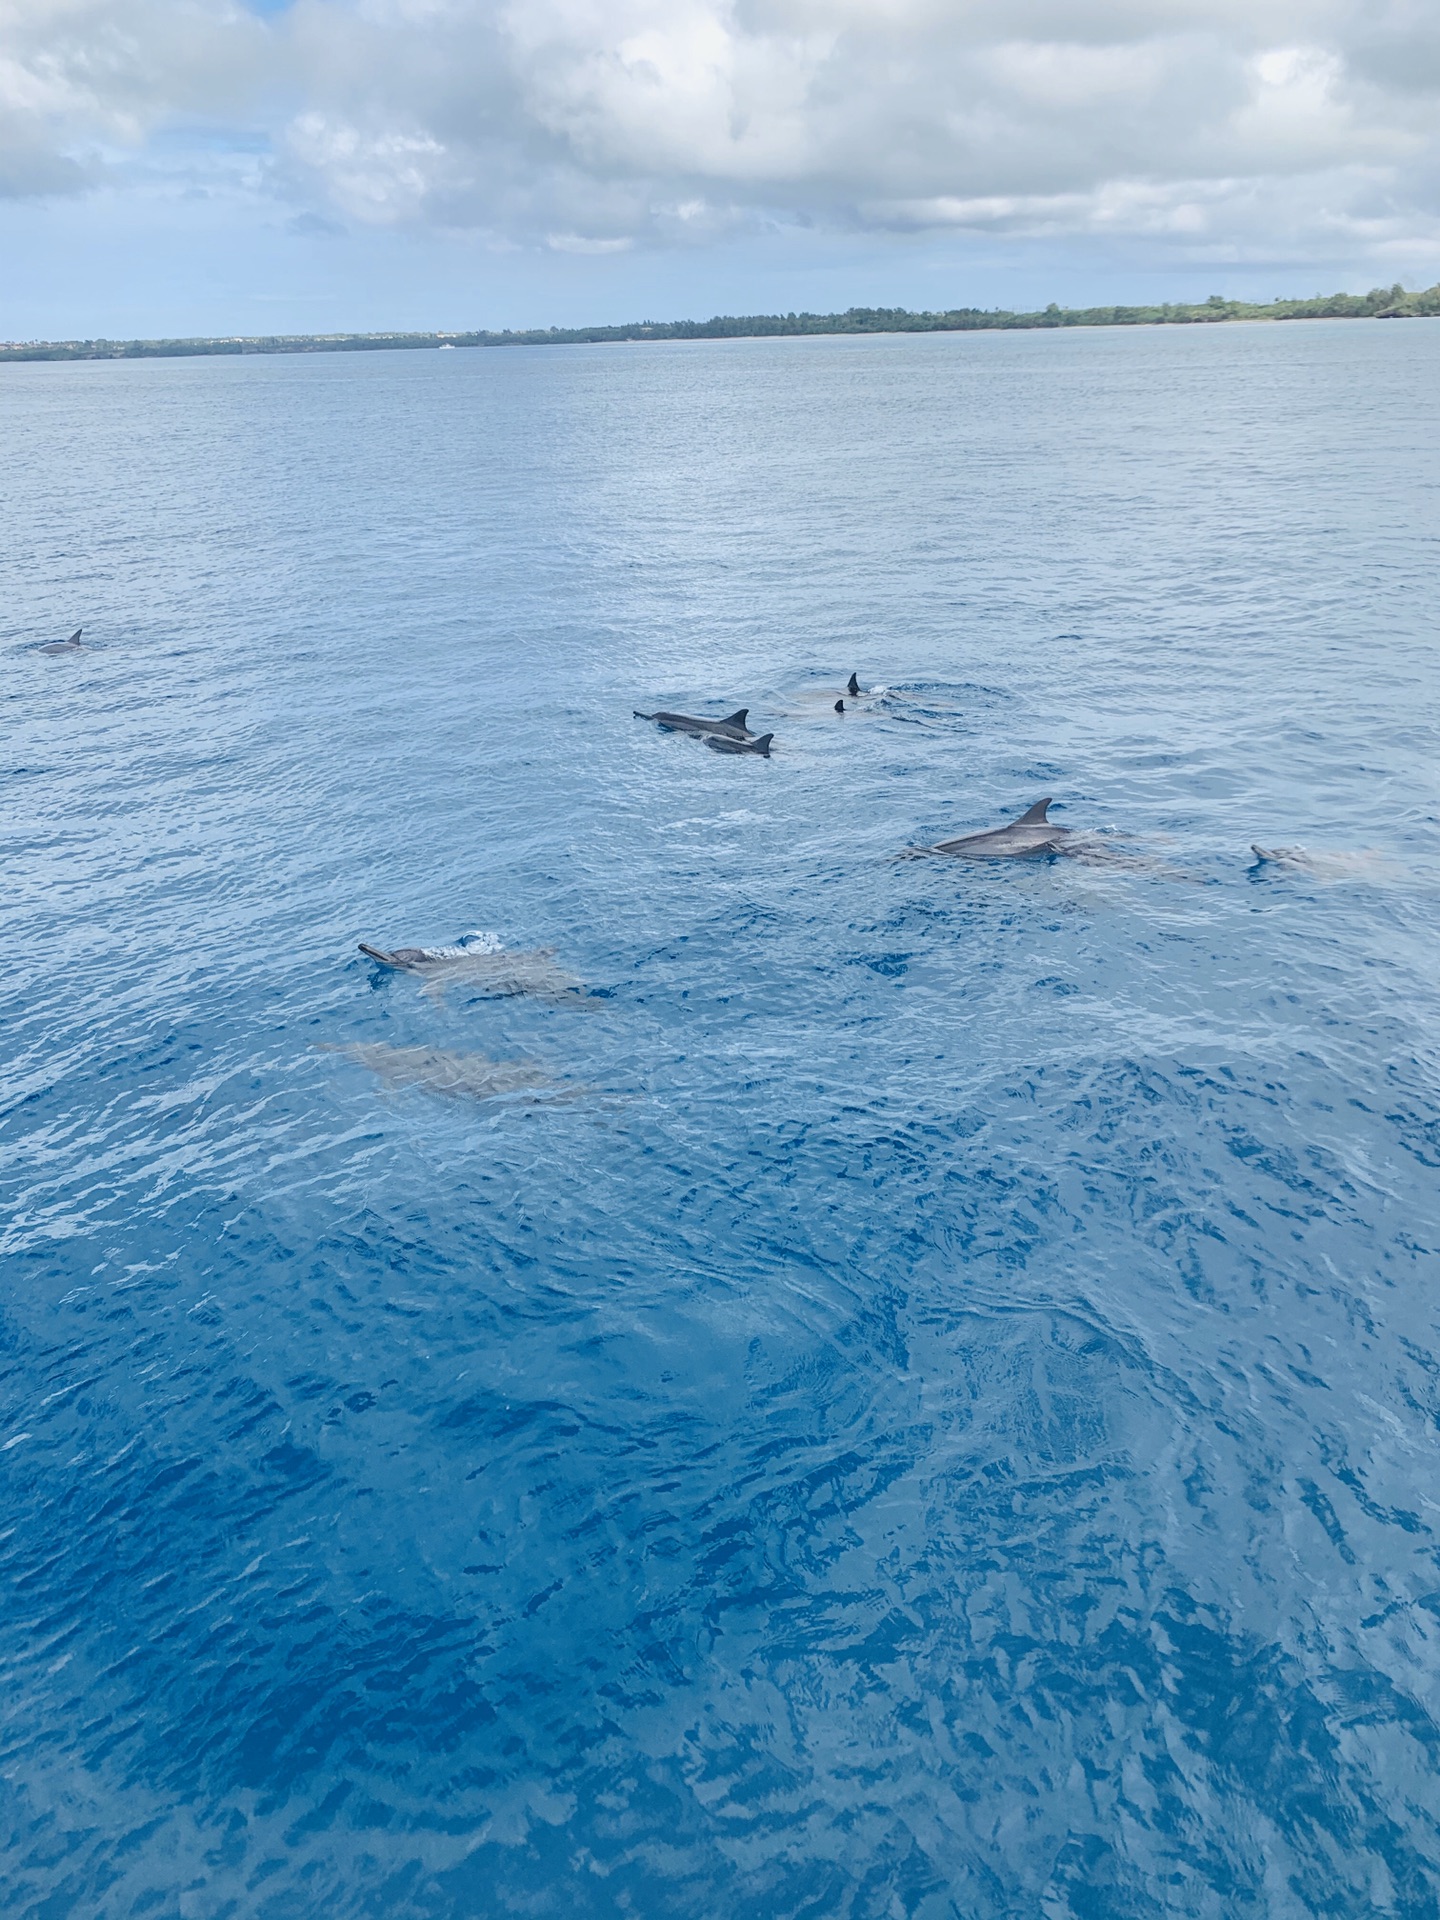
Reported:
(731, 735)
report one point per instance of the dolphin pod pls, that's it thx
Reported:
(733, 734)
(1032, 835)
(477, 961)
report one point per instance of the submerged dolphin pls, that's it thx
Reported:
(72, 645)
(479, 964)
(1364, 863)
(1031, 834)
(731, 735)
(458, 1076)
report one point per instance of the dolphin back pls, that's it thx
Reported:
(733, 724)
(1030, 834)
(737, 743)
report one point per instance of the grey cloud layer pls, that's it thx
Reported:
(1266, 127)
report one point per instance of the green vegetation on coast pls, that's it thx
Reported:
(1381, 303)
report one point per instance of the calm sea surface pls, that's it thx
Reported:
(931, 1404)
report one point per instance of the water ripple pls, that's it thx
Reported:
(941, 1423)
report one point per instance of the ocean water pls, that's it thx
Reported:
(917, 1391)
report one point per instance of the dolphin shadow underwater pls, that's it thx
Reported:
(454, 1076)
(730, 735)
(479, 965)
(1363, 863)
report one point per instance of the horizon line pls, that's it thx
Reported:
(1381, 303)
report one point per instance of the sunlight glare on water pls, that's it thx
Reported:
(873, 1387)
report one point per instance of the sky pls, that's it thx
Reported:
(178, 167)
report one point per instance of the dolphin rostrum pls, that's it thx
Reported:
(1031, 834)
(72, 645)
(731, 735)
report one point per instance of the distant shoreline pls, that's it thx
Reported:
(1382, 303)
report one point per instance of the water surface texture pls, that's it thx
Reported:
(915, 1391)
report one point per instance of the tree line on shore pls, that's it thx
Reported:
(1381, 303)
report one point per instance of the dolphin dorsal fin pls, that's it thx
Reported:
(737, 719)
(1035, 817)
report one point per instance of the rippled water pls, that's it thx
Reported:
(916, 1392)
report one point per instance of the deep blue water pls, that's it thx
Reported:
(937, 1413)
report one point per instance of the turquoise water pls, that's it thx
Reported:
(923, 1398)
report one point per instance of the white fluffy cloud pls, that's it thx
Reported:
(80, 77)
(1264, 129)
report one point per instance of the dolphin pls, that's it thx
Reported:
(1031, 834)
(479, 964)
(734, 726)
(1365, 863)
(852, 687)
(468, 945)
(72, 645)
(457, 1076)
(727, 743)
(839, 706)
(731, 735)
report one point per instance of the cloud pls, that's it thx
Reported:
(80, 79)
(1267, 129)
